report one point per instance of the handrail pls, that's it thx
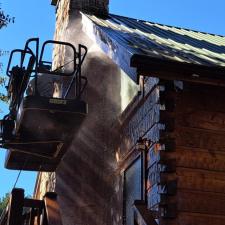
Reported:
(15, 207)
(20, 75)
(63, 44)
(77, 78)
(142, 216)
(23, 211)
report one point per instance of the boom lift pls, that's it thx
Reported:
(40, 124)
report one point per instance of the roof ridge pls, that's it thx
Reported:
(161, 24)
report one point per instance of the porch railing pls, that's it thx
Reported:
(142, 216)
(25, 211)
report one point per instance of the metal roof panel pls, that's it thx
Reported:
(161, 41)
(124, 39)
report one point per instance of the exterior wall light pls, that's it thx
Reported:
(143, 144)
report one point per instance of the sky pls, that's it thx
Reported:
(36, 18)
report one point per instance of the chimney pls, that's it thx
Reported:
(96, 7)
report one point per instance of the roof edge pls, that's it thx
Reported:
(109, 46)
(174, 70)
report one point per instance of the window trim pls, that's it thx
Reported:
(143, 157)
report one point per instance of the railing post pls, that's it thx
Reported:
(142, 216)
(15, 207)
(52, 209)
(32, 217)
(4, 216)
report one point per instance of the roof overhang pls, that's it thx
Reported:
(136, 64)
(119, 54)
(173, 70)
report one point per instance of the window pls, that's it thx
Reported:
(133, 188)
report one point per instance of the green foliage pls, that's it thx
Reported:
(3, 97)
(5, 19)
(3, 202)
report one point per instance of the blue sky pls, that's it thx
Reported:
(36, 18)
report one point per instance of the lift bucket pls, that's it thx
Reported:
(39, 127)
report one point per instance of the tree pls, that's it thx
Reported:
(3, 202)
(5, 19)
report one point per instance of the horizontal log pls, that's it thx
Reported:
(209, 120)
(200, 138)
(198, 202)
(33, 203)
(214, 161)
(190, 178)
(194, 219)
(195, 202)
(196, 183)
(180, 171)
(200, 98)
(159, 192)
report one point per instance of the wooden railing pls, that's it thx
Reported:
(25, 211)
(142, 216)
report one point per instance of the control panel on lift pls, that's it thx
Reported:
(45, 104)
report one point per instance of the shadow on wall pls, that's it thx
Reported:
(86, 182)
(85, 178)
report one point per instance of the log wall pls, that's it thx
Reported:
(186, 162)
(184, 173)
(193, 191)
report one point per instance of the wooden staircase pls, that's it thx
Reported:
(25, 211)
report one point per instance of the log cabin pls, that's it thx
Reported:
(152, 147)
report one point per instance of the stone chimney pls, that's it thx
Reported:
(97, 7)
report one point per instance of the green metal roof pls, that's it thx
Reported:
(127, 37)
